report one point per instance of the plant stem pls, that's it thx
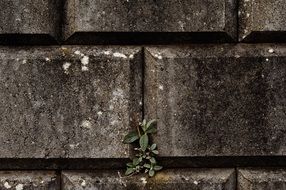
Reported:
(138, 130)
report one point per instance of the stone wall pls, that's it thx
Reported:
(77, 75)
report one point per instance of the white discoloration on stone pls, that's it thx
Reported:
(99, 113)
(267, 59)
(77, 52)
(47, 59)
(84, 68)
(161, 87)
(131, 56)
(83, 183)
(85, 60)
(271, 50)
(196, 182)
(185, 178)
(86, 124)
(106, 52)
(19, 187)
(7, 185)
(143, 179)
(158, 56)
(66, 66)
(24, 61)
(117, 54)
(73, 146)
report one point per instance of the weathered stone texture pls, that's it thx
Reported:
(71, 102)
(217, 100)
(96, 16)
(29, 180)
(181, 179)
(262, 20)
(260, 179)
(36, 18)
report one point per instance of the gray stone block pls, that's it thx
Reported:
(180, 179)
(29, 180)
(94, 20)
(29, 21)
(262, 20)
(260, 179)
(217, 100)
(68, 102)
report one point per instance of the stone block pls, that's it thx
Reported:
(68, 102)
(116, 21)
(256, 179)
(217, 100)
(262, 20)
(29, 180)
(29, 21)
(171, 179)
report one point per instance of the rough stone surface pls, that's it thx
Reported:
(29, 180)
(96, 16)
(68, 102)
(217, 100)
(181, 179)
(33, 18)
(259, 179)
(262, 20)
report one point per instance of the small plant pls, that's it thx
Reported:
(145, 157)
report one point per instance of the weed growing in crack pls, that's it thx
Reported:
(146, 152)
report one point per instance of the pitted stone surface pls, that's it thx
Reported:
(29, 17)
(256, 179)
(262, 20)
(91, 16)
(217, 100)
(181, 179)
(29, 180)
(71, 102)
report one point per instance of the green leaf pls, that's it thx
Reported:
(153, 160)
(136, 161)
(147, 165)
(150, 123)
(143, 124)
(155, 151)
(157, 168)
(130, 137)
(130, 164)
(129, 171)
(153, 147)
(144, 142)
(151, 129)
(151, 173)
